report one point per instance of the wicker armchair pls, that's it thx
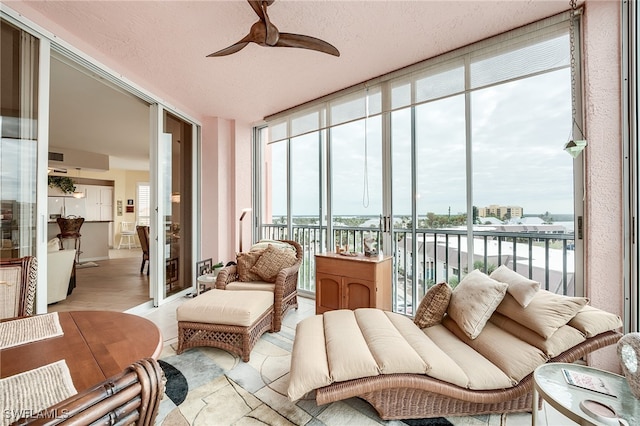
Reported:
(18, 279)
(131, 397)
(285, 289)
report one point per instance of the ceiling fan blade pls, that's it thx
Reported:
(256, 5)
(229, 50)
(256, 35)
(306, 42)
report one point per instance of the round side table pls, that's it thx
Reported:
(581, 405)
(206, 282)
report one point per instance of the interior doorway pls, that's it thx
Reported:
(91, 120)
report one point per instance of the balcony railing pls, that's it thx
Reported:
(438, 255)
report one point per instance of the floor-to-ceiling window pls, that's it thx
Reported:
(19, 144)
(477, 176)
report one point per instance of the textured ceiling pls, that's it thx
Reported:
(162, 45)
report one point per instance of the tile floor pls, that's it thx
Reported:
(269, 363)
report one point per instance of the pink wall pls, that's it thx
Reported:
(242, 181)
(603, 157)
(226, 187)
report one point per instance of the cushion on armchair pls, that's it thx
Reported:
(263, 244)
(272, 261)
(245, 261)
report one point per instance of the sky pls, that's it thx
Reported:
(513, 154)
(518, 132)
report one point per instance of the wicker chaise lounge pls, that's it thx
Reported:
(406, 396)
(470, 351)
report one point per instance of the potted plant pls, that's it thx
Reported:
(64, 183)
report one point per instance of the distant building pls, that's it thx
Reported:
(438, 257)
(501, 212)
(488, 220)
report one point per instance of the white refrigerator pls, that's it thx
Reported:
(66, 207)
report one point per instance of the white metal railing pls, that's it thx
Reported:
(425, 257)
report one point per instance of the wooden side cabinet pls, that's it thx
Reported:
(345, 282)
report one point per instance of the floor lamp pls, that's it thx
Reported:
(244, 212)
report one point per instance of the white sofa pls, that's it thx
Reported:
(59, 268)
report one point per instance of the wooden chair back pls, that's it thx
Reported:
(143, 236)
(18, 279)
(131, 397)
(70, 227)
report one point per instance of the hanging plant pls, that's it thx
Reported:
(64, 183)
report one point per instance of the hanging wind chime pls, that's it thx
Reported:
(578, 142)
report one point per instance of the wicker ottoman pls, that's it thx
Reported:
(229, 320)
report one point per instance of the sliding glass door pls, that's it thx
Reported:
(172, 227)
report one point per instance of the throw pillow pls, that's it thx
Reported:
(272, 261)
(473, 301)
(245, 262)
(545, 313)
(433, 306)
(263, 244)
(521, 288)
(53, 245)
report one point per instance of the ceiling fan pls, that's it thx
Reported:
(264, 33)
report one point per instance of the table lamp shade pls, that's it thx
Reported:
(628, 349)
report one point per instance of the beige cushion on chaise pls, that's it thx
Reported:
(521, 288)
(433, 305)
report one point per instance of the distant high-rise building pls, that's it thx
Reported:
(501, 212)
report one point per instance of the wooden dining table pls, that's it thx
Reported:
(95, 345)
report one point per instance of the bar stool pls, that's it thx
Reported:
(70, 229)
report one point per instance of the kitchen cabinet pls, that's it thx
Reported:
(351, 282)
(99, 202)
(106, 203)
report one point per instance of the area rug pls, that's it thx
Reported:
(86, 265)
(223, 390)
(176, 387)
